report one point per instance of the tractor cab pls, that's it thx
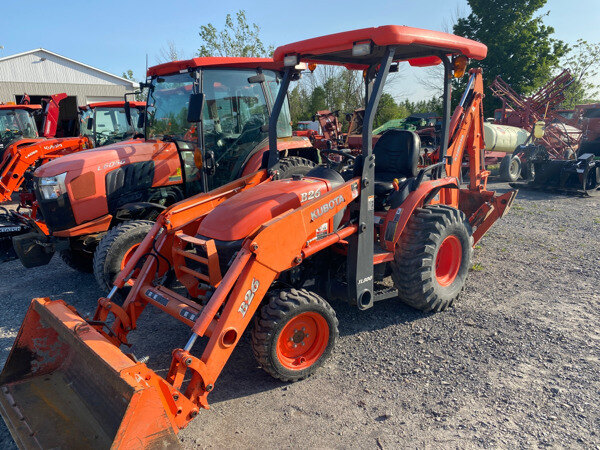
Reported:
(16, 123)
(105, 123)
(217, 109)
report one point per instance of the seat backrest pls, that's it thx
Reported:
(397, 152)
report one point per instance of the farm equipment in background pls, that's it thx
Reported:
(94, 208)
(105, 123)
(579, 176)
(560, 139)
(21, 147)
(269, 251)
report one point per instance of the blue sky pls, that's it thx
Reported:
(116, 35)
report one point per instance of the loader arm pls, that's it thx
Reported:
(18, 159)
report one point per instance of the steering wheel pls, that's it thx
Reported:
(342, 164)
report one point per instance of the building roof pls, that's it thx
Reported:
(87, 67)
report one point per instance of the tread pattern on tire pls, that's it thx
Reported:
(414, 257)
(294, 165)
(101, 252)
(268, 322)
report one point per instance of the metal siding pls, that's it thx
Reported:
(30, 68)
(8, 90)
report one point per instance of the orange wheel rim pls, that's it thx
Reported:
(128, 254)
(448, 260)
(302, 341)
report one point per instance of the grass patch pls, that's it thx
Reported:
(478, 247)
(562, 230)
(518, 208)
(477, 267)
(597, 220)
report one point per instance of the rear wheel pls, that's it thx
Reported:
(432, 259)
(510, 168)
(293, 334)
(116, 249)
(294, 165)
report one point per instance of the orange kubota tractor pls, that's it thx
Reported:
(269, 252)
(21, 147)
(96, 207)
(100, 124)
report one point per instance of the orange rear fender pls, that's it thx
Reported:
(396, 219)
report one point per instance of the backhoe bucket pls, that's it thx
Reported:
(65, 385)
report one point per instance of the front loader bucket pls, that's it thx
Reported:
(65, 385)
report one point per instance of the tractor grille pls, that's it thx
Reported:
(57, 213)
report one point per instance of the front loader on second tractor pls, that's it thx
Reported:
(271, 252)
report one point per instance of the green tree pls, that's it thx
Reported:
(237, 38)
(128, 75)
(387, 110)
(520, 47)
(583, 61)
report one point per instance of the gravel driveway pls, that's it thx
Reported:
(515, 363)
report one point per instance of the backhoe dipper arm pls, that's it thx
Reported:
(466, 134)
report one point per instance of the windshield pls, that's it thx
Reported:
(168, 100)
(16, 124)
(235, 119)
(109, 125)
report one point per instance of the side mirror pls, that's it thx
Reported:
(196, 106)
(127, 108)
(258, 78)
(90, 123)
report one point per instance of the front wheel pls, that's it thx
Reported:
(432, 259)
(293, 334)
(294, 165)
(116, 248)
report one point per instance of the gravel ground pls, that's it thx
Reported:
(515, 363)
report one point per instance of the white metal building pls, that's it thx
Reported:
(40, 73)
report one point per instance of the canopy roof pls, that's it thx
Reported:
(113, 104)
(417, 46)
(215, 62)
(28, 107)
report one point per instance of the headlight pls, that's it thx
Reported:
(53, 187)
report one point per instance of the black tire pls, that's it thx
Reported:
(280, 309)
(114, 246)
(294, 165)
(510, 168)
(79, 260)
(415, 271)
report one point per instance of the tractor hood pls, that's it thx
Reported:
(244, 213)
(103, 159)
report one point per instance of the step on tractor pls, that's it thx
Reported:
(579, 176)
(23, 152)
(94, 208)
(272, 252)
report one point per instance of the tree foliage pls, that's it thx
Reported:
(520, 47)
(169, 53)
(583, 61)
(236, 38)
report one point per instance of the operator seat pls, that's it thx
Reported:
(396, 156)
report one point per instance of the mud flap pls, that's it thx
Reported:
(65, 385)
